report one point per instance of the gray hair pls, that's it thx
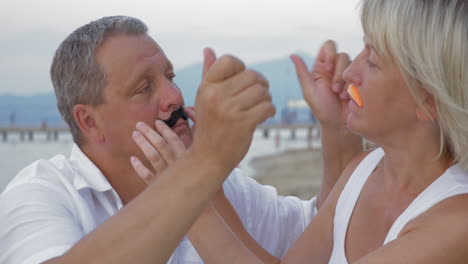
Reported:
(76, 75)
(428, 41)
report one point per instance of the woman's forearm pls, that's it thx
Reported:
(339, 146)
(216, 243)
(229, 215)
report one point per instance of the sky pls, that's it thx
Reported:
(253, 30)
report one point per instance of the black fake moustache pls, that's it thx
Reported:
(179, 113)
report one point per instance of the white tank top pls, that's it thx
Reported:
(454, 181)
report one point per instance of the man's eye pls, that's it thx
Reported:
(145, 89)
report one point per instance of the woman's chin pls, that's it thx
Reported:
(352, 124)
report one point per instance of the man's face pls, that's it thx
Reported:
(139, 87)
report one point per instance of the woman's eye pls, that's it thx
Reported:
(371, 64)
(171, 77)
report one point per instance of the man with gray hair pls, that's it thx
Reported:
(109, 76)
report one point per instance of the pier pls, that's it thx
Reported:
(291, 127)
(313, 132)
(52, 133)
(28, 133)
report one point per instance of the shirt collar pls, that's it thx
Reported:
(88, 174)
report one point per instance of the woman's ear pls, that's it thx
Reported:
(427, 110)
(85, 119)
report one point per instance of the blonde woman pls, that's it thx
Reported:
(405, 202)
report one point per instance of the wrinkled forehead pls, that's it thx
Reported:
(381, 22)
(375, 25)
(123, 53)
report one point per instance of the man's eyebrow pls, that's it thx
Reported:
(137, 74)
(141, 71)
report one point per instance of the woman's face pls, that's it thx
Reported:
(388, 105)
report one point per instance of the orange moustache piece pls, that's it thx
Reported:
(354, 93)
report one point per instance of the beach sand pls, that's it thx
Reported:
(295, 172)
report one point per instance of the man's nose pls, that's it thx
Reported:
(172, 97)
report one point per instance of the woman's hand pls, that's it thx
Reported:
(324, 88)
(162, 148)
(325, 91)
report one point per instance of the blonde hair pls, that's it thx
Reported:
(428, 41)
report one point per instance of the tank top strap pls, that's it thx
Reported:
(348, 200)
(453, 182)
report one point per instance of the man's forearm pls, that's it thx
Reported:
(338, 149)
(148, 229)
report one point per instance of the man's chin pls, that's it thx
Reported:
(186, 137)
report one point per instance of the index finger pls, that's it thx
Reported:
(327, 54)
(342, 62)
(223, 68)
(244, 80)
(191, 113)
(176, 145)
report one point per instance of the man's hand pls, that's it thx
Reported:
(324, 88)
(231, 101)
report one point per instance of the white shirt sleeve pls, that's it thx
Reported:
(36, 224)
(275, 222)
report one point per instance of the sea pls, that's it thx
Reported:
(16, 154)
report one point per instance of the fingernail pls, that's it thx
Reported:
(159, 123)
(136, 134)
(344, 96)
(140, 125)
(133, 159)
(337, 87)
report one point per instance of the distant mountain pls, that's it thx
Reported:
(29, 110)
(284, 86)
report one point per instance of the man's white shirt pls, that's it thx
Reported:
(51, 204)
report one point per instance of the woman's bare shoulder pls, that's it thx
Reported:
(450, 214)
(436, 236)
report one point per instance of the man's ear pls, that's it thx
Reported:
(85, 118)
(427, 110)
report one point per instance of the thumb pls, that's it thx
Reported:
(209, 57)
